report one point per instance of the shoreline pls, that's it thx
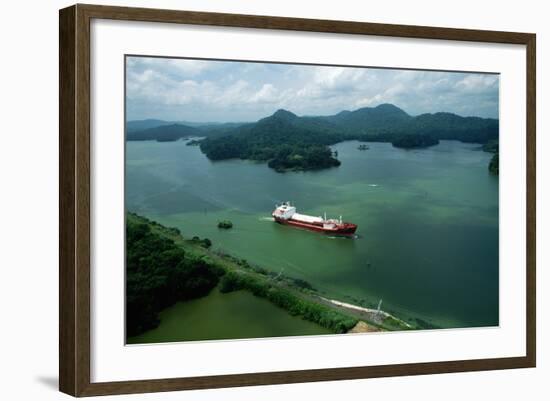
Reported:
(372, 312)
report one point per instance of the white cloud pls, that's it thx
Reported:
(229, 91)
(477, 83)
(268, 94)
(170, 66)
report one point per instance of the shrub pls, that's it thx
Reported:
(225, 224)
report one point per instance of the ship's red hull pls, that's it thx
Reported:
(341, 229)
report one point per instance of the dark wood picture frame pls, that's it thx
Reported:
(74, 199)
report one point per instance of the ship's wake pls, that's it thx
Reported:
(348, 237)
(266, 219)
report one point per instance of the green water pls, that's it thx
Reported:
(226, 316)
(428, 221)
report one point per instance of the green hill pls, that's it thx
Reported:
(287, 141)
(452, 126)
(371, 120)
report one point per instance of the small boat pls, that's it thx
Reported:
(286, 214)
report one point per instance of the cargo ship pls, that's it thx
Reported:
(286, 214)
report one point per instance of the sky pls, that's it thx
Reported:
(234, 91)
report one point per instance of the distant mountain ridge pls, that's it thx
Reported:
(383, 119)
(140, 125)
(163, 133)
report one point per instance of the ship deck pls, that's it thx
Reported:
(306, 219)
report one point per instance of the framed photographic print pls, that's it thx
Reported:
(251, 200)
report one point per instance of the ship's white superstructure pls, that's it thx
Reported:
(286, 214)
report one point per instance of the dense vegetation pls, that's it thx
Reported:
(493, 164)
(158, 274)
(309, 310)
(225, 224)
(414, 141)
(491, 146)
(313, 157)
(204, 242)
(289, 142)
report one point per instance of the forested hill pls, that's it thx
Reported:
(452, 126)
(370, 120)
(387, 119)
(284, 139)
(288, 141)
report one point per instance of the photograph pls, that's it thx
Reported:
(272, 199)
